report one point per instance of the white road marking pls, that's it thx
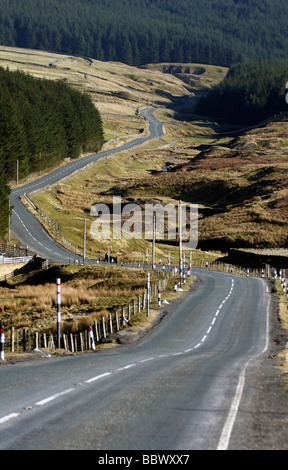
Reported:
(229, 423)
(230, 420)
(53, 397)
(97, 377)
(105, 374)
(127, 367)
(8, 417)
(148, 359)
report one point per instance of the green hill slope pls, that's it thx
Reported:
(42, 122)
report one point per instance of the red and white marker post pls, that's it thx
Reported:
(2, 342)
(58, 291)
(91, 334)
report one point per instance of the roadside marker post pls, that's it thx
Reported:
(58, 290)
(91, 334)
(180, 242)
(148, 293)
(181, 272)
(2, 342)
(127, 321)
(159, 298)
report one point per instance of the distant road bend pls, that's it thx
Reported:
(29, 231)
(180, 387)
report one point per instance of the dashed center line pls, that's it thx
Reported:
(53, 397)
(46, 400)
(8, 417)
(93, 379)
(32, 236)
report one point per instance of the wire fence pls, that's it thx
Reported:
(24, 339)
(19, 340)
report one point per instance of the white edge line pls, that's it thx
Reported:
(229, 423)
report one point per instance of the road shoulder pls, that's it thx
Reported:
(264, 406)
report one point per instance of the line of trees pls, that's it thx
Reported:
(136, 32)
(42, 122)
(4, 199)
(251, 92)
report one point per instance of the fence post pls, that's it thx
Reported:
(17, 341)
(71, 342)
(29, 340)
(24, 340)
(111, 324)
(81, 341)
(12, 338)
(51, 344)
(129, 311)
(104, 327)
(96, 331)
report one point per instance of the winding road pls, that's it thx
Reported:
(29, 231)
(180, 387)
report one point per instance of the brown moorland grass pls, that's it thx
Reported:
(241, 187)
(117, 89)
(86, 294)
(239, 183)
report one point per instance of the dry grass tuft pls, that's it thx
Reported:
(86, 294)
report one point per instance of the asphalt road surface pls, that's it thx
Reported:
(178, 388)
(29, 231)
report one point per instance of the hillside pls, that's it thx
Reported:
(238, 180)
(240, 184)
(142, 31)
(250, 92)
(43, 122)
(116, 89)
